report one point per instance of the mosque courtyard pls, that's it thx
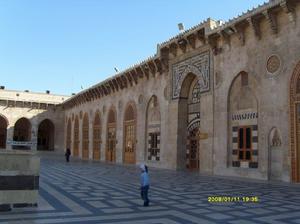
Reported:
(97, 192)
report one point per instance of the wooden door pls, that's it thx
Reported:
(297, 156)
(193, 150)
(245, 143)
(129, 144)
(111, 144)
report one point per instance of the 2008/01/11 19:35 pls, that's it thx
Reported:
(221, 199)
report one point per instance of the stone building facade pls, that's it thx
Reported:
(31, 120)
(219, 98)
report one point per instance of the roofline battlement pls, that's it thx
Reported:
(207, 32)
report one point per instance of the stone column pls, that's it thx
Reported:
(34, 136)
(140, 133)
(171, 150)
(9, 136)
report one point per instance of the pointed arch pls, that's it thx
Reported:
(153, 129)
(129, 137)
(85, 136)
(188, 153)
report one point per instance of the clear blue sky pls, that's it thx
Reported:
(62, 45)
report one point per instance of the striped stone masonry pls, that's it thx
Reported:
(248, 119)
(19, 179)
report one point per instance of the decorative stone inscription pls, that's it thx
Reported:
(275, 138)
(273, 64)
(199, 66)
(244, 116)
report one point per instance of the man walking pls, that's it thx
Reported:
(144, 184)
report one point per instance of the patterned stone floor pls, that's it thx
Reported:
(93, 192)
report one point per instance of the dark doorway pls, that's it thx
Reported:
(46, 135)
(22, 134)
(3, 132)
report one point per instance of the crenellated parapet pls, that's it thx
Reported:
(211, 33)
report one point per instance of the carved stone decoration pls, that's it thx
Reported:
(289, 8)
(272, 19)
(273, 65)
(199, 65)
(141, 99)
(275, 138)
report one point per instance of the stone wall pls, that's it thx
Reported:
(270, 61)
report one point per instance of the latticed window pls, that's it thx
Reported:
(129, 138)
(154, 143)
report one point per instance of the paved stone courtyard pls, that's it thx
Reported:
(94, 192)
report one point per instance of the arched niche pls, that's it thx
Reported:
(153, 129)
(243, 122)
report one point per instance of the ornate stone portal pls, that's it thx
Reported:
(198, 65)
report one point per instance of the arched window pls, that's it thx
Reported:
(153, 130)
